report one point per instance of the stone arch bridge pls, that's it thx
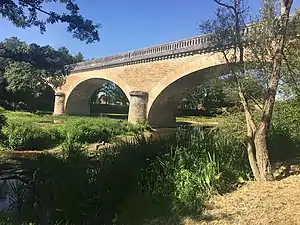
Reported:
(153, 79)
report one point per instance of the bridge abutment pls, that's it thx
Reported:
(137, 107)
(59, 104)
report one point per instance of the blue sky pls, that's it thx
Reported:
(126, 25)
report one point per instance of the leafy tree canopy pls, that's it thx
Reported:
(32, 67)
(112, 94)
(32, 13)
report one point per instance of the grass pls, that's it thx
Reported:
(133, 182)
(199, 120)
(140, 182)
(29, 131)
(43, 119)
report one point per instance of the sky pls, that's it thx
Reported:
(126, 25)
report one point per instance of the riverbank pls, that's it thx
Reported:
(275, 203)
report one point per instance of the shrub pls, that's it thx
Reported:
(86, 131)
(21, 135)
(97, 130)
(172, 174)
(81, 189)
(195, 165)
(284, 133)
(2, 123)
(284, 137)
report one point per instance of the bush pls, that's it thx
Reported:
(143, 179)
(284, 137)
(85, 131)
(284, 133)
(195, 165)
(2, 123)
(21, 135)
(81, 189)
(97, 130)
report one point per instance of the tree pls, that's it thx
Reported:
(42, 65)
(220, 92)
(266, 47)
(32, 13)
(29, 69)
(112, 94)
(291, 68)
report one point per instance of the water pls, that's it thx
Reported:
(5, 192)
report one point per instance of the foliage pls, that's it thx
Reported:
(20, 135)
(284, 135)
(111, 93)
(29, 69)
(31, 131)
(101, 185)
(2, 123)
(221, 92)
(198, 165)
(97, 130)
(43, 65)
(23, 13)
(141, 175)
(209, 95)
(255, 55)
(291, 66)
(284, 138)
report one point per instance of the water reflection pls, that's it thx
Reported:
(5, 193)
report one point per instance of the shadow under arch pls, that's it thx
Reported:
(162, 107)
(78, 101)
(45, 101)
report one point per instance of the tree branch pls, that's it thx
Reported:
(37, 8)
(225, 5)
(256, 102)
(292, 73)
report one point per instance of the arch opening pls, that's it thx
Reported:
(95, 97)
(162, 107)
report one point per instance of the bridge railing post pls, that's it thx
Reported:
(59, 103)
(137, 107)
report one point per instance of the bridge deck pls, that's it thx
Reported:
(193, 45)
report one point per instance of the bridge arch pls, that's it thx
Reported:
(165, 97)
(79, 87)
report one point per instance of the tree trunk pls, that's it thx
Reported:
(261, 134)
(250, 135)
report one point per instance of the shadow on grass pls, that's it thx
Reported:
(81, 188)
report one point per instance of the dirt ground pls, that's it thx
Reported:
(276, 203)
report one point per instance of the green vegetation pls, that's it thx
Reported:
(20, 135)
(284, 135)
(148, 181)
(29, 70)
(28, 131)
(141, 182)
(34, 13)
(199, 119)
(166, 177)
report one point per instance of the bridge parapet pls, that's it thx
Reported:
(198, 45)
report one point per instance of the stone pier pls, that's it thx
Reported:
(138, 107)
(59, 104)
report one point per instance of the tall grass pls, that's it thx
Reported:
(27, 131)
(199, 164)
(284, 133)
(130, 182)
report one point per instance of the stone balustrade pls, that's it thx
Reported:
(198, 45)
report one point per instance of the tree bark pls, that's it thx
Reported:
(257, 147)
(261, 134)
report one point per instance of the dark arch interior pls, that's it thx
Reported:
(97, 97)
(45, 101)
(163, 109)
